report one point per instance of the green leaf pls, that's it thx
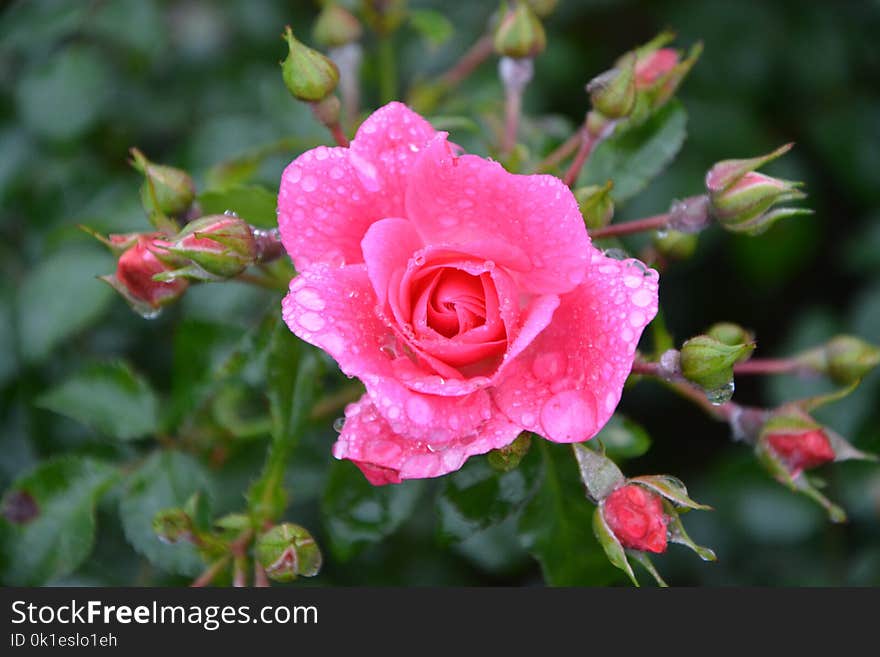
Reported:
(613, 549)
(632, 157)
(672, 488)
(108, 397)
(623, 438)
(59, 297)
(166, 479)
(48, 524)
(478, 496)
(432, 26)
(253, 203)
(356, 513)
(677, 534)
(599, 474)
(555, 526)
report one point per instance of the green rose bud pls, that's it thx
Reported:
(309, 75)
(520, 33)
(850, 358)
(675, 245)
(222, 245)
(335, 27)
(287, 551)
(596, 204)
(730, 334)
(507, 458)
(166, 190)
(172, 525)
(708, 362)
(613, 93)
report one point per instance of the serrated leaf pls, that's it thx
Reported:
(672, 488)
(356, 513)
(60, 297)
(623, 438)
(555, 526)
(166, 479)
(478, 496)
(613, 549)
(109, 397)
(57, 531)
(433, 26)
(634, 155)
(253, 203)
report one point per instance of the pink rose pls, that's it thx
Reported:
(468, 300)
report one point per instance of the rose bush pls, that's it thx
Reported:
(468, 300)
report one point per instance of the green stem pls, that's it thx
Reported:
(387, 69)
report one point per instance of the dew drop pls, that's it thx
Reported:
(230, 213)
(642, 298)
(569, 416)
(338, 423)
(549, 365)
(336, 173)
(309, 184)
(419, 410)
(309, 299)
(720, 395)
(311, 321)
(447, 220)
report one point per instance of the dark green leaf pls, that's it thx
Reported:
(48, 524)
(623, 438)
(356, 513)
(478, 496)
(253, 203)
(167, 479)
(635, 155)
(60, 297)
(108, 397)
(556, 525)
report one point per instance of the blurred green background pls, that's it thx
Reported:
(193, 83)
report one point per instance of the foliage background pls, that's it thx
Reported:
(194, 82)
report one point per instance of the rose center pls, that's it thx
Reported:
(451, 301)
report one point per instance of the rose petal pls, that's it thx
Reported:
(568, 382)
(386, 457)
(473, 202)
(387, 246)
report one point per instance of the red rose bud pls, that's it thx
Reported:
(166, 190)
(802, 451)
(654, 66)
(309, 75)
(520, 33)
(136, 270)
(659, 71)
(222, 245)
(636, 517)
(741, 199)
(287, 551)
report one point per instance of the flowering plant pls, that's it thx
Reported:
(470, 315)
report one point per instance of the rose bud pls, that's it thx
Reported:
(741, 199)
(675, 245)
(708, 362)
(730, 333)
(613, 93)
(384, 16)
(596, 205)
(309, 75)
(287, 551)
(136, 270)
(505, 459)
(636, 517)
(543, 8)
(167, 190)
(659, 71)
(173, 525)
(654, 65)
(520, 33)
(222, 245)
(848, 358)
(336, 27)
(804, 450)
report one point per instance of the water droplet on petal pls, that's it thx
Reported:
(549, 366)
(721, 395)
(309, 184)
(311, 321)
(642, 298)
(419, 410)
(230, 213)
(309, 299)
(569, 416)
(338, 423)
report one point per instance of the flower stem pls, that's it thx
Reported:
(338, 134)
(512, 111)
(562, 152)
(468, 62)
(211, 572)
(657, 222)
(387, 69)
(587, 143)
(754, 366)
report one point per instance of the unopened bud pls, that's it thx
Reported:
(543, 8)
(507, 458)
(336, 26)
(309, 75)
(596, 204)
(709, 362)
(613, 93)
(659, 71)
(636, 517)
(520, 33)
(850, 358)
(166, 190)
(172, 525)
(798, 440)
(741, 199)
(221, 245)
(287, 551)
(675, 245)
(136, 269)
(730, 334)
(384, 16)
